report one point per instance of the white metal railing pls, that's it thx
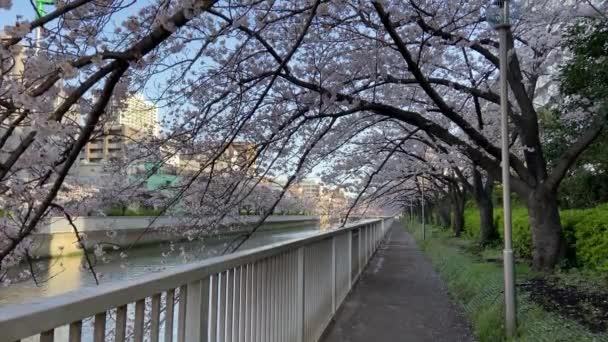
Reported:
(287, 291)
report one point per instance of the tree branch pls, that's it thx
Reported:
(569, 157)
(445, 109)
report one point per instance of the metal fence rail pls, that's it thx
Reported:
(287, 291)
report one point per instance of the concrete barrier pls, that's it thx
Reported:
(56, 237)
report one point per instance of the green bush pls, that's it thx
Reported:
(472, 223)
(522, 239)
(585, 231)
(520, 226)
(116, 211)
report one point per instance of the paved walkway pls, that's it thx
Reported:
(399, 298)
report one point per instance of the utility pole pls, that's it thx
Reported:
(423, 218)
(498, 15)
(411, 212)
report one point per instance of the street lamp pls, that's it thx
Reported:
(422, 205)
(423, 217)
(497, 15)
(412, 212)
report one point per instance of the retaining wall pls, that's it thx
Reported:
(57, 238)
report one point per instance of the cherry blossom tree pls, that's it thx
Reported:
(434, 66)
(297, 80)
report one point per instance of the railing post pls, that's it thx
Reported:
(361, 232)
(370, 244)
(333, 275)
(214, 298)
(249, 304)
(367, 244)
(375, 235)
(181, 314)
(242, 313)
(264, 300)
(300, 296)
(272, 299)
(197, 310)
(374, 232)
(221, 309)
(349, 253)
(230, 322)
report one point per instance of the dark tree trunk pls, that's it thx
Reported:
(488, 232)
(444, 216)
(482, 193)
(458, 219)
(458, 200)
(446, 220)
(548, 244)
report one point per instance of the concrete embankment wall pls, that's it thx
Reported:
(57, 238)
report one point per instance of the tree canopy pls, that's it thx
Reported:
(384, 90)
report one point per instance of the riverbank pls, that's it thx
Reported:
(56, 238)
(475, 280)
(56, 276)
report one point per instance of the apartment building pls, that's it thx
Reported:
(138, 114)
(132, 122)
(237, 156)
(111, 145)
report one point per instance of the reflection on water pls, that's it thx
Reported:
(66, 274)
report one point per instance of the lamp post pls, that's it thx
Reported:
(423, 217)
(498, 16)
(422, 206)
(411, 212)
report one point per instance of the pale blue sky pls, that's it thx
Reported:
(20, 7)
(24, 10)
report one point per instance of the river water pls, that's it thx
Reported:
(62, 275)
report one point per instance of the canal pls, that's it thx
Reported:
(65, 274)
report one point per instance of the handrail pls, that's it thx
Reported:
(22, 320)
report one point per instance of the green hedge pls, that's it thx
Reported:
(115, 211)
(472, 222)
(586, 232)
(522, 239)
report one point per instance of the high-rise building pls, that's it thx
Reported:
(137, 113)
(307, 190)
(237, 156)
(132, 121)
(112, 145)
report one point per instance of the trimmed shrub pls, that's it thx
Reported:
(472, 223)
(522, 239)
(585, 231)
(520, 226)
(115, 211)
